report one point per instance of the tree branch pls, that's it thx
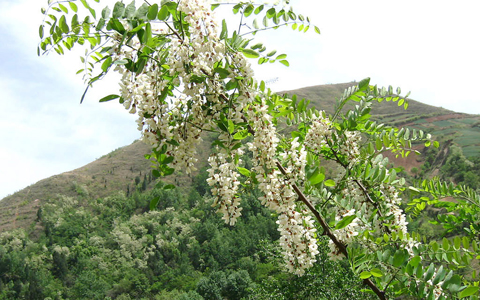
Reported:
(329, 233)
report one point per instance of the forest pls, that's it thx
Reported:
(116, 248)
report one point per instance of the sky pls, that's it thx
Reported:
(430, 48)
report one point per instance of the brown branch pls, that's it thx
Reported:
(359, 184)
(329, 233)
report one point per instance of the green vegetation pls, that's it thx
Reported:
(114, 248)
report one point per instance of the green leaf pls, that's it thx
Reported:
(129, 10)
(457, 241)
(255, 24)
(116, 25)
(270, 13)
(317, 30)
(250, 53)
(258, 9)
(232, 84)
(140, 64)
(118, 10)
(163, 13)
(148, 33)
(168, 187)
(285, 62)
(314, 174)
(109, 97)
(468, 291)
(415, 261)
(329, 182)
(107, 63)
(62, 7)
(365, 275)
(63, 24)
(376, 272)
(345, 221)
(276, 19)
(223, 73)
(73, 6)
(262, 86)
(445, 244)
(441, 272)
(106, 12)
(92, 12)
(316, 178)
(154, 202)
(167, 160)
(281, 56)
(100, 25)
(399, 258)
(136, 29)
(452, 282)
(240, 135)
(248, 10)
(40, 31)
(152, 12)
(271, 53)
(231, 126)
(244, 172)
(224, 33)
(429, 274)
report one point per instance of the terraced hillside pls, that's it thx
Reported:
(112, 172)
(445, 125)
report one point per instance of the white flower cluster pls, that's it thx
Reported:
(296, 228)
(297, 240)
(392, 200)
(278, 195)
(181, 118)
(223, 177)
(62, 250)
(349, 147)
(13, 240)
(296, 159)
(437, 289)
(318, 134)
(203, 48)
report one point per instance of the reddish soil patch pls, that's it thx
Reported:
(438, 118)
(446, 117)
(409, 162)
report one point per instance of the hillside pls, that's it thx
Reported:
(126, 169)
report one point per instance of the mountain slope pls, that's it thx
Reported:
(126, 169)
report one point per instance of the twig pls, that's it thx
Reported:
(328, 232)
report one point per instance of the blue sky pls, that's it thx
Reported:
(430, 48)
